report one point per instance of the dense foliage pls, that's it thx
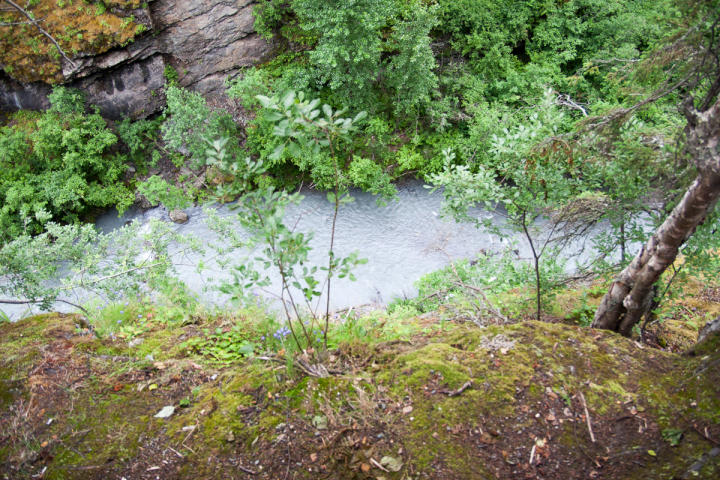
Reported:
(445, 75)
(560, 112)
(58, 165)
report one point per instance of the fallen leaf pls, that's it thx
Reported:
(391, 463)
(407, 409)
(652, 453)
(486, 438)
(165, 412)
(549, 392)
(320, 422)
(313, 457)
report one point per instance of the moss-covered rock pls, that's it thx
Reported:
(80, 28)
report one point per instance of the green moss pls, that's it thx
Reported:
(513, 370)
(10, 388)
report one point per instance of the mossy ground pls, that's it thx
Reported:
(457, 402)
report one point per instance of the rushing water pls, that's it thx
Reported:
(402, 241)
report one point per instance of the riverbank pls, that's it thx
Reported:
(409, 396)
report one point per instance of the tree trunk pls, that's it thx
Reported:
(624, 304)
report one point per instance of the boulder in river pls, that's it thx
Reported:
(179, 216)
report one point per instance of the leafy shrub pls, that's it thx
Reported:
(370, 177)
(140, 137)
(157, 190)
(58, 166)
(67, 100)
(494, 273)
(223, 345)
(191, 123)
(361, 51)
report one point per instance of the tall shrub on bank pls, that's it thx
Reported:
(58, 165)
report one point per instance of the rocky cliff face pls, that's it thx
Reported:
(205, 41)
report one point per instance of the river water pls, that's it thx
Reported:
(402, 241)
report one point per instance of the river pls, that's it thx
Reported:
(402, 241)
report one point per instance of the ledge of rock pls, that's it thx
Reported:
(204, 41)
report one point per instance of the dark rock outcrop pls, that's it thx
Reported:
(205, 41)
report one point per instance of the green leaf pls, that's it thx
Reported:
(288, 99)
(274, 116)
(246, 348)
(393, 464)
(264, 101)
(277, 153)
(327, 110)
(294, 149)
(360, 116)
(320, 422)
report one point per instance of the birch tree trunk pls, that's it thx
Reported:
(625, 303)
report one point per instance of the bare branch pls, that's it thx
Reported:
(566, 101)
(32, 302)
(623, 112)
(12, 24)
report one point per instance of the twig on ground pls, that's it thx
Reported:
(377, 464)
(587, 417)
(455, 393)
(247, 470)
(176, 452)
(532, 454)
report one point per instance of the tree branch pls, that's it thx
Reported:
(32, 302)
